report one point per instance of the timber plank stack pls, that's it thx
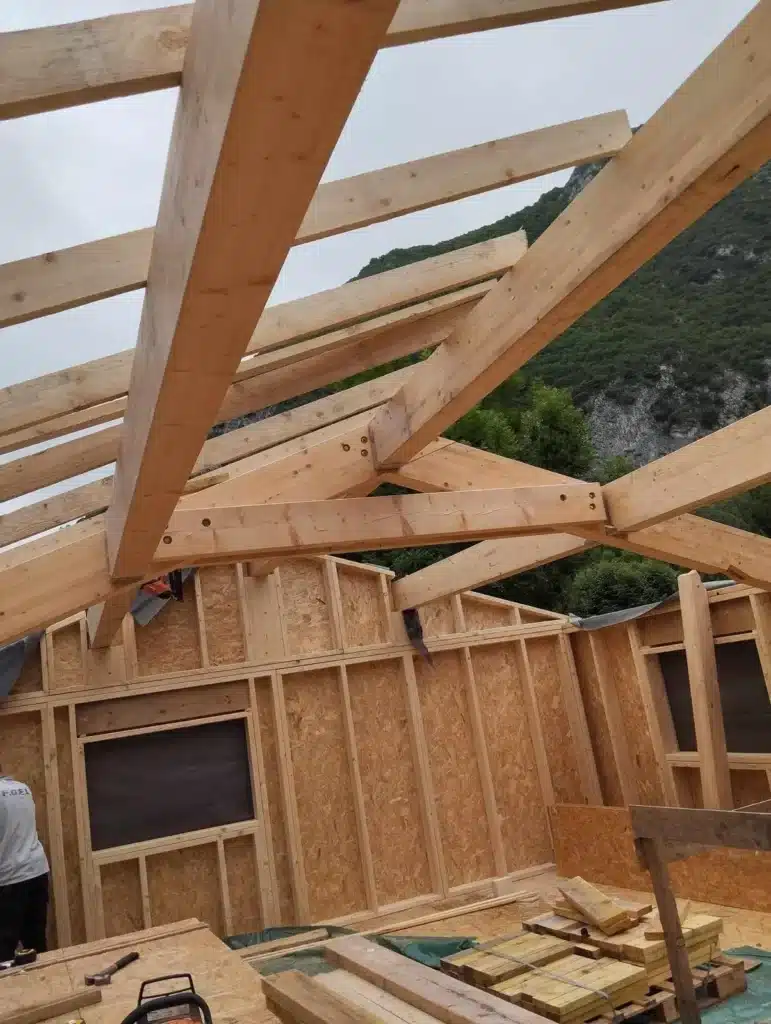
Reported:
(597, 957)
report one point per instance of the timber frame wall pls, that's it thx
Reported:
(629, 715)
(378, 782)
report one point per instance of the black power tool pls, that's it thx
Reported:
(175, 1006)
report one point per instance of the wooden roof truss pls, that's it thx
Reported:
(267, 88)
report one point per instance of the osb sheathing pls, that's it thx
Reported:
(596, 843)
(332, 858)
(454, 769)
(596, 717)
(390, 782)
(517, 788)
(543, 657)
(383, 801)
(623, 673)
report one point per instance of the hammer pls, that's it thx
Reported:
(105, 977)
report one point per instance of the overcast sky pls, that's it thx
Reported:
(76, 175)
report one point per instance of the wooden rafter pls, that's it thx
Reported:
(686, 540)
(124, 54)
(481, 564)
(707, 138)
(81, 396)
(103, 621)
(40, 285)
(268, 87)
(217, 452)
(284, 374)
(726, 462)
(234, 532)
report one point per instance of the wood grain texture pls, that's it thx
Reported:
(124, 54)
(209, 264)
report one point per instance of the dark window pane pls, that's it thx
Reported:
(743, 695)
(165, 783)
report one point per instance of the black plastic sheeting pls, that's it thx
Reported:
(12, 659)
(628, 614)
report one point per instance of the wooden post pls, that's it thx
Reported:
(705, 692)
(653, 856)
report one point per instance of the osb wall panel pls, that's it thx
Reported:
(241, 864)
(599, 730)
(305, 754)
(455, 771)
(363, 607)
(484, 615)
(438, 618)
(185, 883)
(596, 842)
(622, 671)
(225, 641)
(749, 787)
(389, 780)
(66, 649)
(324, 792)
(543, 656)
(306, 606)
(170, 642)
(270, 757)
(69, 824)
(728, 617)
(512, 760)
(122, 898)
(688, 785)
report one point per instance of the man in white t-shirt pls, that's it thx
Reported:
(23, 872)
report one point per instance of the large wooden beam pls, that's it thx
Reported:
(268, 87)
(484, 563)
(40, 285)
(324, 464)
(687, 540)
(685, 826)
(103, 621)
(714, 132)
(81, 396)
(231, 533)
(727, 462)
(705, 692)
(217, 452)
(123, 54)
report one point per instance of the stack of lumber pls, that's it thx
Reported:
(625, 931)
(505, 958)
(581, 901)
(576, 989)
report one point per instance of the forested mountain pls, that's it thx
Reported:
(683, 347)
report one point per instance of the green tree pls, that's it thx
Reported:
(554, 434)
(611, 581)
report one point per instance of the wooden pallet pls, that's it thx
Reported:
(723, 977)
